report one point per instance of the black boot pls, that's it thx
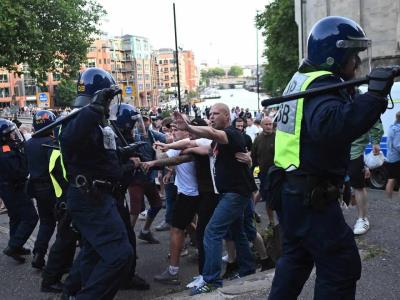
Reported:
(231, 270)
(23, 251)
(47, 287)
(38, 261)
(135, 283)
(14, 253)
(267, 264)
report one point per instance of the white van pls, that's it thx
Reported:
(379, 176)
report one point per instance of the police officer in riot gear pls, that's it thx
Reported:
(13, 175)
(126, 118)
(61, 253)
(312, 149)
(90, 157)
(39, 186)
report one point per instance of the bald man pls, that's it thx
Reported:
(234, 184)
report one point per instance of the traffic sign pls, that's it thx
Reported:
(43, 97)
(128, 90)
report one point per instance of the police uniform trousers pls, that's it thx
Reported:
(22, 214)
(311, 237)
(45, 201)
(62, 252)
(106, 253)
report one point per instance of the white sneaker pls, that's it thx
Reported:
(361, 226)
(143, 215)
(225, 258)
(197, 281)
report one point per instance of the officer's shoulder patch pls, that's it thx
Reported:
(6, 148)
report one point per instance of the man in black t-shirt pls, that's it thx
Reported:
(238, 123)
(234, 183)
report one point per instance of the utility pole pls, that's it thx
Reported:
(177, 62)
(258, 73)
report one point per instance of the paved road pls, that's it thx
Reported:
(379, 278)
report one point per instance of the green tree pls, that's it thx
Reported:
(235, 71)
(216, 72)
(204, 77)
(47, 35)
(65, 93)
(281, 44)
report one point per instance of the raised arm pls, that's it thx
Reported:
(171, 161)
(201, 131)
(178, 145)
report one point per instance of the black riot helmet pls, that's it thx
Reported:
(9, 133)
(332, 41)
(89, 82)
(43, 118)
(127, 118)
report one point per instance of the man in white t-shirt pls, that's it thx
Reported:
(251, 129)
(185, 208)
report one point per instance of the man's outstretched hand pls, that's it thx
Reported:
(180, 122)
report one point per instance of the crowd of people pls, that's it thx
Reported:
(98, 169)
(171, 163)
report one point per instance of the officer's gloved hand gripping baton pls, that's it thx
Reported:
(380, 81)
(102, 97)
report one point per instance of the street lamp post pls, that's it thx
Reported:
(258, 73)
(177, 62)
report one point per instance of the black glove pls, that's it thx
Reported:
(102, 99)
(381, 81)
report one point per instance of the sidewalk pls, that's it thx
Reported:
(379, 251)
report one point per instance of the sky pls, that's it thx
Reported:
(220, 32)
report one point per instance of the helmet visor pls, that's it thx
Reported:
(362, 44)
(359, 59)
(16, 136)
(140, 129)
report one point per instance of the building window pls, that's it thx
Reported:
(165, 61)
(173, 84)
(167, 85)
(146, 67)
(30, 90)
(147, 86)
(165, 69)
(160, 62)
(147, 77)
(3, 77)
(172, 61)
(91, 63)
(4, 92)
(172, 69)
(140, 87)
(166, 77)
(139, 76)
(92, 49)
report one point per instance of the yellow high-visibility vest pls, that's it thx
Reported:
(288, 118)
(57, 180)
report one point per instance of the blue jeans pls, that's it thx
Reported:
(248, 223)
(228, 215)
(170, 196)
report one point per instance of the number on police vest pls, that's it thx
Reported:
(283, 114)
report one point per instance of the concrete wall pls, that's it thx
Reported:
(379, 19)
